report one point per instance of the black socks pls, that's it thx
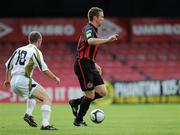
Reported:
(84, 106)
(77, 101)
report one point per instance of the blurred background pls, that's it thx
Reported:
(143, 66)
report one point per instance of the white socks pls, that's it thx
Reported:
(46, 113)
(45, 109)
(30, 104)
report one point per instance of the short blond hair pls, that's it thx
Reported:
(34, 36)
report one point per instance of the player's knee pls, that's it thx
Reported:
(47, 100)
(90, 95)
(103, 92)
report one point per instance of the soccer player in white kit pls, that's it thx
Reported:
(19, 70)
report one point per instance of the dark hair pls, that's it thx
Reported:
(34, 36)
(94, 11)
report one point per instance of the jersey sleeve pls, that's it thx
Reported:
(39, 60)
(8, 64)
(88, 33)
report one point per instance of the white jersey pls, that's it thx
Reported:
(25, 59)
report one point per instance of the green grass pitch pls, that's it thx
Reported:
(150, 119)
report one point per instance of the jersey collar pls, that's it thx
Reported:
(93, 27)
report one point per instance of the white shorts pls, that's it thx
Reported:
(20, 85)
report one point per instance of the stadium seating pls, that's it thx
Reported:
(123, 61)
(155, 61)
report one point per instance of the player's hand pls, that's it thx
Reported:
(113, 38)
(57, 79)
(98, 69)
(7, 83)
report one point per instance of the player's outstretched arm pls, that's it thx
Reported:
(52, 76)
(101, 41)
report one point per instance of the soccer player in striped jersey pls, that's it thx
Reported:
(19, 71)
(85, 67)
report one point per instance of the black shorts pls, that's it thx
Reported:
(87, 74)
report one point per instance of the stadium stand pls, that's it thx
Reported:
(124, 61)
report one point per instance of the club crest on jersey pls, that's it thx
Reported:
(89, 85)
(88, 33)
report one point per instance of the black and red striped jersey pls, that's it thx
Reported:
(84, 50)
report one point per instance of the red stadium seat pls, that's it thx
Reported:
(124, 61)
